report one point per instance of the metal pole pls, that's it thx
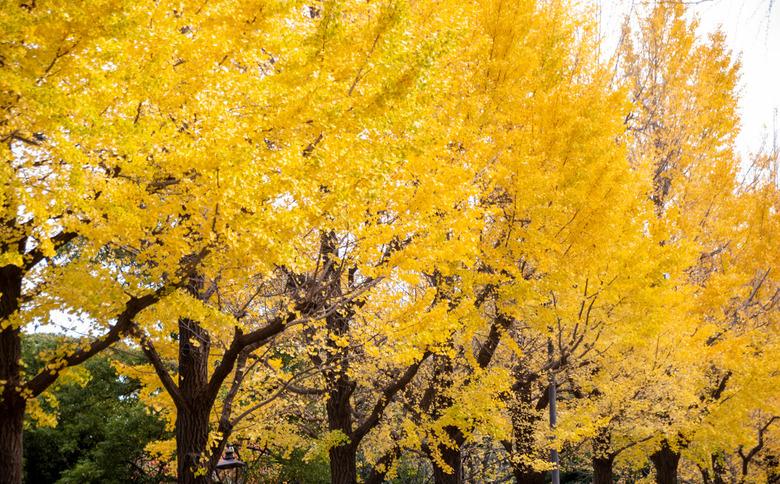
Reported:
(556, 473)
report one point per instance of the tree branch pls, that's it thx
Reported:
(123, 325)
(757, 448)
(162, 372)
(239, 343)
(384, 400)
(497, 328)
(59, 241)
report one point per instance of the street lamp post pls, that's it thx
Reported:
(556, 473)
(230, 469)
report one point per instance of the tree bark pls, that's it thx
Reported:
(524, 418)
(192, 419)
(453, 459)
(192, 435)
(603, 457)
(11, 431)
(434, 402)
(665, 460)
(12, 404)
(705, 475)
(376, 476)
(378, 473)
(525, 475)
(343, 458)
(343, 464)
(602, 470)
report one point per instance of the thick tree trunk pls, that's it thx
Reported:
(343, 458)
(434, 403)
(12, 404)
(192, 435)
(343, 464)
(665, 461)
(524, 418)
(192, 420)
(453, 459)
(11, 428)
(603, 457)
(602, 470)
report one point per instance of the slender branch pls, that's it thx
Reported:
(627, 446)
(384, 400)
(270, 399)
(757, 448)
(59, 241)
(162, 372)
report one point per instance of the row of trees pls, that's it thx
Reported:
(381, 231)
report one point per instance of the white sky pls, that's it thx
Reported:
(752, 28)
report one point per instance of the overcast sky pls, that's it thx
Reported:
(753, 31)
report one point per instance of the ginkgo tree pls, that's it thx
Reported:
(56, 220)
(238, 164)
(685, 123)
(380, 231)
(555, 177)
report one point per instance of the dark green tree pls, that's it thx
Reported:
(102, 427)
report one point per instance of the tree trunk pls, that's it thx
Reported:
(379, 471)
(454, 460)
(434, 403)
(705, 475)
(339, 386)
(603, 457)
(524, 418)
(343, 458)
(525, 475)
(602, 470)
(665, 461)
(376, 476)
(343, 464)
(11, 431)
(192, 421)
(12, 404)
(192, 435)
(719, 471)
